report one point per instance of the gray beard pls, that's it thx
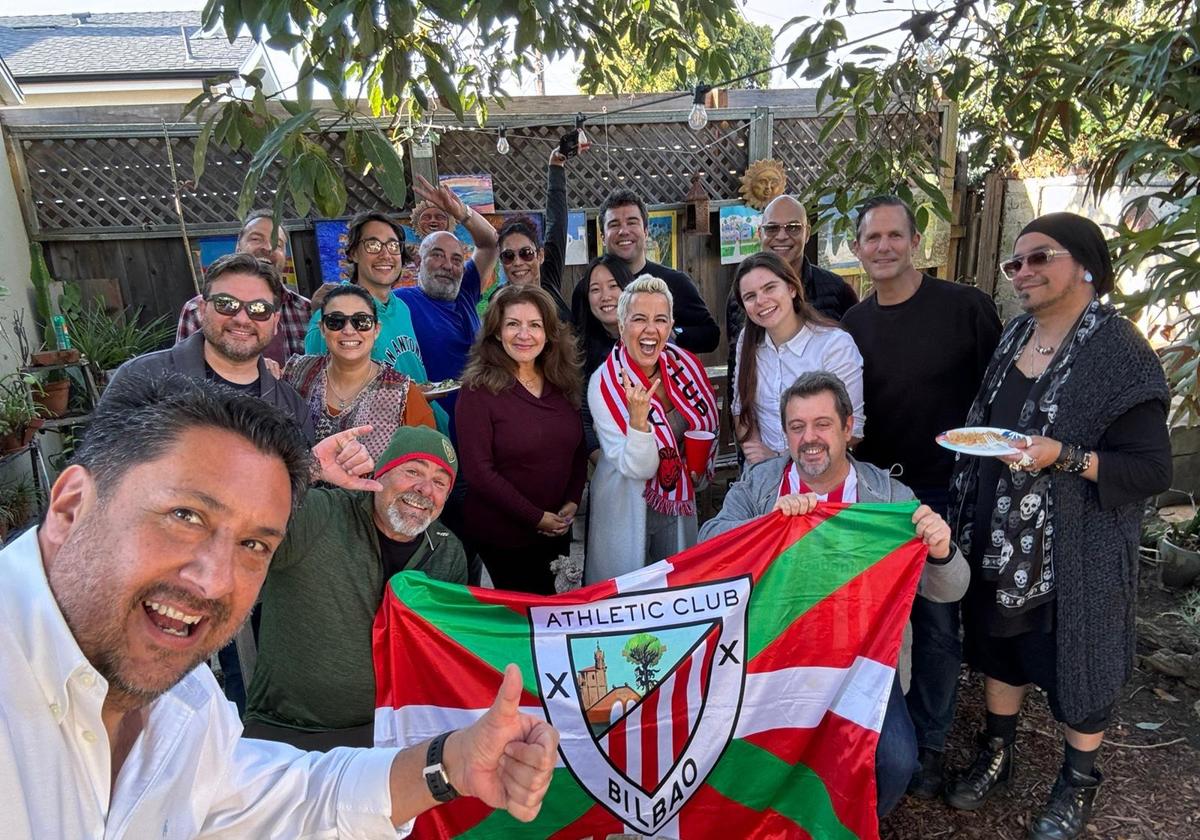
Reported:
(406, 524)
(811, 473)
(214, 337)
(441, 289)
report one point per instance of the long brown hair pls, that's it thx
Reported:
(491, 368)
(753, 334)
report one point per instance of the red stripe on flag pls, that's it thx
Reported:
(835, 630)
(711, 814)
(648, 722)
(744, 550)
(402, 675)
(451, 819)
(710, 651)
(616, 746)
(829, 750)
(595, 822)
(679, 707)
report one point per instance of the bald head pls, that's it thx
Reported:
(442, 264)
(784, 230)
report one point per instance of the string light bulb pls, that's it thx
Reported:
(698, 116)
(931, 56)
(502, 146)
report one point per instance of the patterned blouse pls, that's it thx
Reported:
(386, 402)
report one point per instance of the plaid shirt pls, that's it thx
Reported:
(294, 314)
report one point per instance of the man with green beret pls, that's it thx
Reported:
(314, 682)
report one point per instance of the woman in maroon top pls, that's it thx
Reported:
(520, 439)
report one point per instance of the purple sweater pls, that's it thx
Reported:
(521, 455)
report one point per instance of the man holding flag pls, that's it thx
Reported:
(818, 420)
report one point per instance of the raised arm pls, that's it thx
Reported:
(481, 230)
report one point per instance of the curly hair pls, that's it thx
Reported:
(490, 367)
(753, 334)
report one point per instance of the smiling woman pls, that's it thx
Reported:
(346, 388)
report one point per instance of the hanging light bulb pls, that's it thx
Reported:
(502, 146)
(931, 56)
(698, 117)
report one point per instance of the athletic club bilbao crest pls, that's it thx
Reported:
(644, 689)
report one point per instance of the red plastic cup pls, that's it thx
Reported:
(696, 448)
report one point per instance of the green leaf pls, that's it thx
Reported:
(200, 154)
(271, 145)
(386, 165)
(444, 85)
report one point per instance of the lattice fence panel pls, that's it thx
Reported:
(656, 159)
(123, 184)
(796, 146)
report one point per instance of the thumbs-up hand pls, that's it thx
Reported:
(506, 758)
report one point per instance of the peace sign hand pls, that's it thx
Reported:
(442, 197)
(638, 400)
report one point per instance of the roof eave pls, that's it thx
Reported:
(140, 75)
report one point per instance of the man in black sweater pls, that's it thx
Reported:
(925, 345)
(624, 220)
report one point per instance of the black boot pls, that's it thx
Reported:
(1070, 804)
(930, 778)
(993, 766)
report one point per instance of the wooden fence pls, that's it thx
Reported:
(101, 196)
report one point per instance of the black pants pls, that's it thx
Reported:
(525, 569)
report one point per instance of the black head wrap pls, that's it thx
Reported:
(1083, 239)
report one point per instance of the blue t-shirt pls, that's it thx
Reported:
(445, 330)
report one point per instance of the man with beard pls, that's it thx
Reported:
(239, 313)
(149, 556)
(261, 238)
(314, 684)
(444, 303)
(818, 420)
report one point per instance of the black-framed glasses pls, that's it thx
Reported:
(1040, 258)
(792, 229)
(336, 321)
(228, 305)
(526, 254)
(373, 246)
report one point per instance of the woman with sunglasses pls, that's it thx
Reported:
(520, 440)
(1051, 531)
(528, 262)
(784, 336)
(345, 387)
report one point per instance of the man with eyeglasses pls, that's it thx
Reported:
(925, 345)
(261, 238)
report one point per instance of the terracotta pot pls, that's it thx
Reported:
(53, 397)
(53, 357)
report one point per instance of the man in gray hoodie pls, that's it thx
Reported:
(818, 421)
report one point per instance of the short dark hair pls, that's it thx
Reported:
(817, 382)
(344, 289)
(140, 417)
(620, 198)
(886, 200)
(244, 264)
(522, 225)
(354, 233)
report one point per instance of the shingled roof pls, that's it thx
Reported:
(116, 45)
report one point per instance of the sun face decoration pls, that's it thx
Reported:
(763, 181)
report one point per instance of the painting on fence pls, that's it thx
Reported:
(739, 233)
(577, 250)
(660, 238)
(474, 190)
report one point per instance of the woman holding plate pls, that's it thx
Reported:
(1051, 531)
(644, 398)
(345, 387)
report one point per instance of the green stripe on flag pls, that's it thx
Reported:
(822, 561)
(565, 802)
(759, 780)
(495, 634)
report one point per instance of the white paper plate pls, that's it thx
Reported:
(980, 440)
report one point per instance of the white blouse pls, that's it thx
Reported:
(813, 348)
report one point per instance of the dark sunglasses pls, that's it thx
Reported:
(256, 310)
(373, 246)
(526, 254)
(793, 229)
(1034, 259)
(336, 321)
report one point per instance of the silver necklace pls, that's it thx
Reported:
(343, 403)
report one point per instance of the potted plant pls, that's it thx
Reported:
(18, 501)
(20, 414)
(1179, 553)
(107, 343)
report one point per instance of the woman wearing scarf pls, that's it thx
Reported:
(1052, 532)
(643, 398)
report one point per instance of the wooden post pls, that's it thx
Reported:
(16, 162)
(987, 263)
(761, 140)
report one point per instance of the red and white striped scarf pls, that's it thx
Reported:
(847, 491)
(671, 491)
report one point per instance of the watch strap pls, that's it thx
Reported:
(435, 773)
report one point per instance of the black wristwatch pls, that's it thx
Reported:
(435, 774)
